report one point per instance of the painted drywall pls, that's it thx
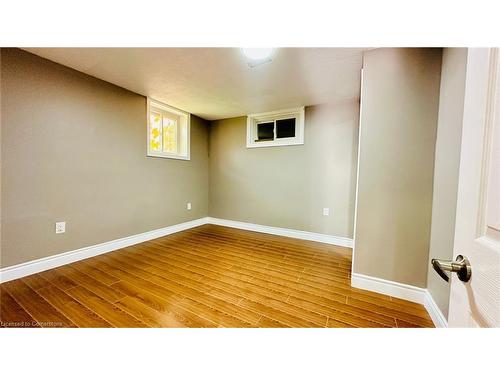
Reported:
(73, 149)
(289, 186)
(446, 167)
(399, 111)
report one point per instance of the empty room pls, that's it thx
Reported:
(253, 187)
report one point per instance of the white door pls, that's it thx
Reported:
(476, 303)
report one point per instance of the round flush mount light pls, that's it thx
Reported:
(258, 53)
(257, 56)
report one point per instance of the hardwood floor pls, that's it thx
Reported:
(209, 276)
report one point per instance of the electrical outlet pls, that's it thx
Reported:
(60, 227)
(188, 206)
(326, 211)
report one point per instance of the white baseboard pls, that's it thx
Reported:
(303, 235)
(403, 291)
(434, 311)
(390, 288)
(39, 265)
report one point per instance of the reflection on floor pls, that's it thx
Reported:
(209, 276)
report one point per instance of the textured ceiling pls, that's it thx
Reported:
(216, 83)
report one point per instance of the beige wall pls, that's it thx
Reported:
(400, 97)
(73, 149)
(288, 186)
(447, 162)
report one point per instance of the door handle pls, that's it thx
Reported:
(461, 266)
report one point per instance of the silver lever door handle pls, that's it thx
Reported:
(461, 266)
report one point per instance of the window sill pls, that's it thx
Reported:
(274, 144)
(178, 157)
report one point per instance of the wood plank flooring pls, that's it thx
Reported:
(209, 276)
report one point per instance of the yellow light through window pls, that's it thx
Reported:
(155, 136)
(169, 135)
(168, 131)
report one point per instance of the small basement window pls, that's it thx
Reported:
(278, 128)
(265, 132)
(168, 131)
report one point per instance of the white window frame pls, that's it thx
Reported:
(258, 118)
(184, 116)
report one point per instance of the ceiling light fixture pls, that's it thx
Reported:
(258, 56)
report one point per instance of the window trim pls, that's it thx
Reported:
(273, 116)
(151, 103)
